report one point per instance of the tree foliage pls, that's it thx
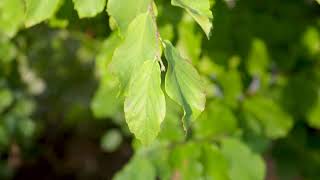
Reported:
(208, 89)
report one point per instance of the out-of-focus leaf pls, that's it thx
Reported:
(11, 16)
(231, 85)
(217, 120)
(111, 140)
(311, 41)
(199, 10)
(314, 114)
(7, 51)
(136, 48)
(189, 43)
(138, 168)
(243, 164)
(171, 129)
(183, 84)
(145, 105)
(125, 11)
(258, 59)
(215, 164)
(6, 98)
(89, 8)
(275, 121)
(40, 10)
(185, 162)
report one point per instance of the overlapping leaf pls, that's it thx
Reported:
(11, 16)
(40, 10)
(199, 10)
(183, 84)
(124, 11)
(90, 8)
(140, 44)
(145, 104)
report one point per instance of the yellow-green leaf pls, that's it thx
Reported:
(124, 11)
(199, 10)
(140, 44)
(89, 8)
(145, 104)
(40, 10)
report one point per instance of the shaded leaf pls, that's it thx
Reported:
(243, 164)
(184, 85)
(275, 121)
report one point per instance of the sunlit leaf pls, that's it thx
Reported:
(139, 45)
(199, 10)
(40, 10)
(11, 16)
(89, 8)
(124, 11)
(145, 104)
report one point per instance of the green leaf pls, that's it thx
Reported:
(189, 43)
(258, 60)
(6, 98)
(276, 122)
(140, 44)
(199, 10)
(40, 10)
(89, 8)
(11, 16)
(215, 164)
(185, 162)
(232, 86)
(313, 115)
(218, 119)
(243, 164)
(124, 11)
(138, 168)
(184, 85)
(318, 1)
(145, 104)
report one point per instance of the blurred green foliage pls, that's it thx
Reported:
(260, 68)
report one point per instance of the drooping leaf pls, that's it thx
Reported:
(138, 168)
(145, 104)
(184, 85)
(243, 164)
(124, 11)
(275, 121)
(40, 10)
(11, 16)
(90, 8)
(199, 10)
(139, 45)
(214, 163)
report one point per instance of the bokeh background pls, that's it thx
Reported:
(61, 118)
